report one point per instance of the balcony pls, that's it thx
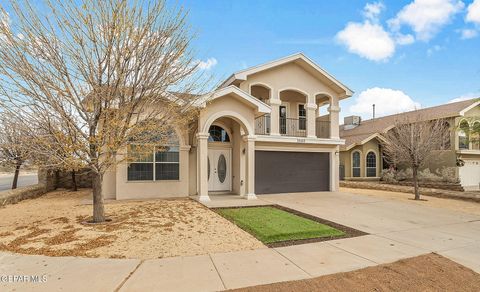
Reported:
(291, 127)
(322, 129)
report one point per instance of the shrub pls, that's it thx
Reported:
(388, 175)
(448, 174)
(427, 175)
(404, 174)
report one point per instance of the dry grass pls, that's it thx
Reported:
(429, 272)
(53, 225)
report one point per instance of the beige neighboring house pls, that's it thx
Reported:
(272, 128)
(361, 157)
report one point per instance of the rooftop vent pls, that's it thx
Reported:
(351, 122)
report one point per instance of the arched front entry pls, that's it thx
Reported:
(225, 156)
(219, 163)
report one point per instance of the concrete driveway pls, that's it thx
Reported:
(397, 230)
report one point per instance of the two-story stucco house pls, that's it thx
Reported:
(272, 128)
(361, 157)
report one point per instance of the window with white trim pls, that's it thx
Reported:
(302, 117)
(371, 164)
(152, 163)
(464, 135)
(356, 164)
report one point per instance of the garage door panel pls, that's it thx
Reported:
(284, 172)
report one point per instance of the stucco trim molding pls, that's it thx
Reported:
(299, 140)
(299, 57)
(462, 112)
(260, 106)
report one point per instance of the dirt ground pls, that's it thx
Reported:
(424, 273)
(53, 225)
(452, 204)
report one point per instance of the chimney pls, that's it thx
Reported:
(373, 106)
(351, 122)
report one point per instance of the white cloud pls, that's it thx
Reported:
(208, 64)
(372, 11)
(367, 40)
(426, 17)
(473, 12)
(404, 39)
(387, 101)
(468, 33)
(434, 49)
(465, 97)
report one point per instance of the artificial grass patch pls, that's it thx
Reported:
(269, 224)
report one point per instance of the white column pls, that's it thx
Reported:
(311, 109)
(334, 121)
(275, 116)
(202, 161)
(334, 170)
(250, 169)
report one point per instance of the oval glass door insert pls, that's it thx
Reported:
(208, 168)
(222, 168)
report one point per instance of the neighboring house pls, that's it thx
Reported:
(272, 128)
(361, 157)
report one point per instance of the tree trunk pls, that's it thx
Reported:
(57, 178)
(415, 183)
(98, 208)
(15, 176)
(74, 182)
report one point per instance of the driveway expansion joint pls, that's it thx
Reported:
(129, 275)
(218, 273)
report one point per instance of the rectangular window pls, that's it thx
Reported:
(153, 163)
(302, 117)
(167, 163)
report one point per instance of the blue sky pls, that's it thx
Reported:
(398, 54)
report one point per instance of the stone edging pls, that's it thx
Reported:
(470, 196)
(22, 193)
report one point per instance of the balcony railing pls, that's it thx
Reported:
(322, 129)
(291, 127)
(262, 125)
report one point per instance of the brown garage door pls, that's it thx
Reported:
(288, 172)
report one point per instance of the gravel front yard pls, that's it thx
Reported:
(429, 272)
(53, 225)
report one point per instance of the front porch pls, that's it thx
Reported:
(226, 200)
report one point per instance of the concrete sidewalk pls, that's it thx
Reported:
(397, 230)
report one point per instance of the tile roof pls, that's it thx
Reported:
(368, 128)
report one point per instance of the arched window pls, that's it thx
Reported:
(356, 164)
(371, 164)
(218, 134)
(464, 135)
(475, 136)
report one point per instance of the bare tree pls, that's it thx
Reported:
(12, 154)
(413, 141)
(103, 71)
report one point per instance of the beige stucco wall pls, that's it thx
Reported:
(153, 189)
(346, 158)
(288, 76)
(237, 117)
(283, 81)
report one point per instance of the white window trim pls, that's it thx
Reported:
(369, 167)
(154, 162)
(360, 162)
(298, 115)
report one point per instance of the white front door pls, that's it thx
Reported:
(219, 170)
